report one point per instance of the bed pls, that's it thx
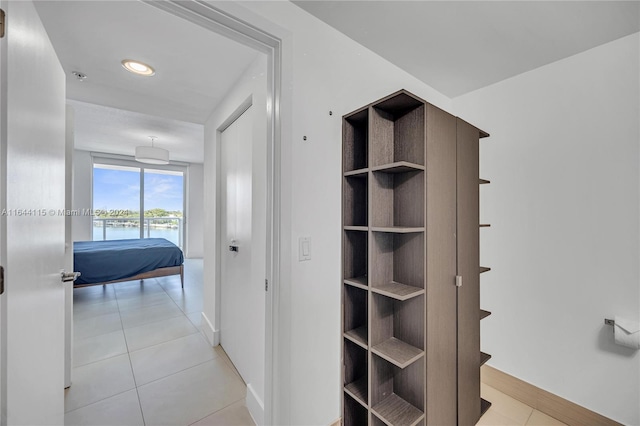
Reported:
(107, 262)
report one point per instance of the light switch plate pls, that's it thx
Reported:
(304, 248)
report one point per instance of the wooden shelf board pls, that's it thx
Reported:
(397, 290)
(484, 406)
(360, 282)
(397, 352)
(484, 181)
(394, 410)
(484, 357)
(358, 336)
(398, 167)
(397, 229)
(359, 173)
(484, 225)
(356, 228)
(358, 390)
(484, 314)
(484, 269)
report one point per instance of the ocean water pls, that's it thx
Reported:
(122, 233)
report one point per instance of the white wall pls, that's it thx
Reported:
(563, 204)
(81, 226)
(323, 71)
(195, 211)
(252, 84)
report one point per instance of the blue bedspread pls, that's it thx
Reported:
(101, 261)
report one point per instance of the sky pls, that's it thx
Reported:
(120, 190)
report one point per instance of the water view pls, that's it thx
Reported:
(122, 233)
(124, 197)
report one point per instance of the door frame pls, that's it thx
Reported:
(223, 23)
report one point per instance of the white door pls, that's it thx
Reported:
(32, 170)
(236, 316)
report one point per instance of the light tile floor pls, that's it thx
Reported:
(507, 411)
(139, 358)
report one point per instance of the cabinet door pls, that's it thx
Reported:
(441, 302)
(468, 223)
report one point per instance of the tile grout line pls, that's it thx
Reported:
(529, 418)
(181, 371)
(135, 383)
(217, 411)
(95, 402)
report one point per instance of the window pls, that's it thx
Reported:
(137, 202)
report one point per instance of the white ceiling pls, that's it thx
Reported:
(100, 128)
(195, 68)
(460, 46)
(454, 46)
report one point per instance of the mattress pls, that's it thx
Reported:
(102, 261)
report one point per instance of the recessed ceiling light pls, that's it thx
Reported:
(138, 67)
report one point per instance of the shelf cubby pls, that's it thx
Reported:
(355, 256)
(355, 140)
(396, 267)
(484, 406)
(484, 314)
(484, 182)
(355, 372)
(398, 199)
(398, 229)
(397, 329)
(359, 390)
(398, 167)
(354, 201)
(355, 314)
(484, 357)
(355, 228)
(484, 269)
(397, 394)
(360, 282)
(362, 173)
(397, 129)
(354, 413)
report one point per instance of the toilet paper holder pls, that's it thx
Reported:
(609, 321)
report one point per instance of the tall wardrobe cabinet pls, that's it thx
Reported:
(411, 273)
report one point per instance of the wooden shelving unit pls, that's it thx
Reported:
(401, 185)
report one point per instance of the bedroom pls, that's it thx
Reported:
(309, 389)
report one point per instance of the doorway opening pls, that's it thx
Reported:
(214, 20)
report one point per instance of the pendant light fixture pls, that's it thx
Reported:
(152, 154)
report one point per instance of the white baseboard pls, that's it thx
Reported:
(255, 405)
(212, 335)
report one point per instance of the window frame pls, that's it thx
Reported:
(127, 161)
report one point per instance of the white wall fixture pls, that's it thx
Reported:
(152, 154)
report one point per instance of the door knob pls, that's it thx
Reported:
(69, 276)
